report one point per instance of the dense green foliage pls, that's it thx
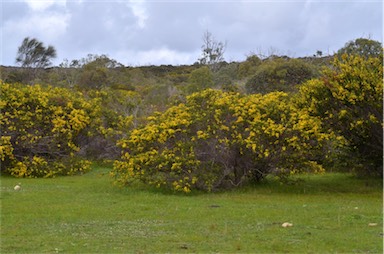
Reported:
(363, 47)
(249, 66)
(279, 74)
(227, 77)
(200, 79)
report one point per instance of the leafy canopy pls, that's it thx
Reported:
(363, 47)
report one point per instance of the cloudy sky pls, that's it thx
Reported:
(136, 32)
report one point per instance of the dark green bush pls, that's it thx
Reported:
(279, 74)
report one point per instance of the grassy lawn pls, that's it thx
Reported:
(86, 214)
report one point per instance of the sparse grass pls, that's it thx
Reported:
(86, 214)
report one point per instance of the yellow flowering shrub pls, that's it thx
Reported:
(6, 149)
(219, 140)
(348, 100)
(41, 129)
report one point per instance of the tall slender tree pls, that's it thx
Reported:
(212, 51)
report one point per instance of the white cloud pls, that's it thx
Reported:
(48, 26)
(170, 32)
(204, 21)
(139, 11)
(163, 55)
(41, 5)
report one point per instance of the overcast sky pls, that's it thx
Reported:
(170, 32)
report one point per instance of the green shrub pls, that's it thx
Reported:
(226, 77)
(200, 79)
(249, 66)
(119, 111)
(363, 47)
(279, 74)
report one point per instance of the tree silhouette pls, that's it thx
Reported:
(213, 51)
(33, 54)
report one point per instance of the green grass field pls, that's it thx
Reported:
(87, 214)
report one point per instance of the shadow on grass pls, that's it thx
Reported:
(310, 184)
(318, 184)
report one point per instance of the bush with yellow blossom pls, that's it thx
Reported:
(218, 140)
(348, 100)
(41, 128)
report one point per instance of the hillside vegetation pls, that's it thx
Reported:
(196, 127)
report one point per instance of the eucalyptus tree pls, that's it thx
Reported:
(212, 51)
(33, 54)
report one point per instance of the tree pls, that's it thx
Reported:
(96, 71)
(362, 47)
(33, 54)
(319, 53)
(213, 51)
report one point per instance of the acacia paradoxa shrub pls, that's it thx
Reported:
(219, 140)
(348, 99)
(41, 128)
